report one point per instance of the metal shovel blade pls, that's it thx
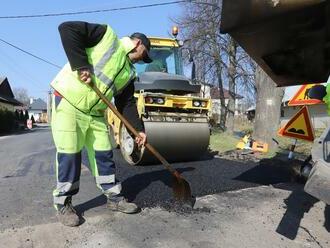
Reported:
(182, 190)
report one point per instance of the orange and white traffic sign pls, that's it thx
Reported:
(301, 97)
(29, 123)
(299, 127)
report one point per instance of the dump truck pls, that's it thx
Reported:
(290, 41)
(174, 115)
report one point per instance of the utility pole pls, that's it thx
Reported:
(49, 106)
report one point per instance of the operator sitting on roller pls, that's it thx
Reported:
(159, 63)
(97, 56)
(157, 66)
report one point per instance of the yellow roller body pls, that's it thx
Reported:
(176, 122)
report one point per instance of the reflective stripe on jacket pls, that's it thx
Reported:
(112, 71)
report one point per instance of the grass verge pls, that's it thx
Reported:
(302, 147)
(222, 141)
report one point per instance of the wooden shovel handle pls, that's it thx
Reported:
(134, 132)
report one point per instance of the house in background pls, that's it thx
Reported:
(209, 91)
(7, 98)
(38, 109)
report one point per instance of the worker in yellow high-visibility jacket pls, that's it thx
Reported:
(95, 54)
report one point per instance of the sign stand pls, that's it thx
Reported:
(292, 147)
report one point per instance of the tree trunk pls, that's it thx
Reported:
(223, 111)
(218, 70)
(268, 109)
(231, 85)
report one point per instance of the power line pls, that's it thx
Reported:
(76, 13)
(13, 66)
(93, 11)
(26, 52)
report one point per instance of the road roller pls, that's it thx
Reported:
(175, 116)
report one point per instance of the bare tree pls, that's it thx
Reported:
(232, 49)
(245, 76)
(21, 94)
(218, 60)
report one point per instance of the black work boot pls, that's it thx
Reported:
(120, 204)
(67, 215)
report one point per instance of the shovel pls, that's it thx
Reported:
(181, 187)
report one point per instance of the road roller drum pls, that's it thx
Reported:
(175, 140)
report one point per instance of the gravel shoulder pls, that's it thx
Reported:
(265, 216)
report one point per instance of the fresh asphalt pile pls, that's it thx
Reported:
(150, 185)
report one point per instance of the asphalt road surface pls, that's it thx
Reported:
(27, 179)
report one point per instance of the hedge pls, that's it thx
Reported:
(7, 121)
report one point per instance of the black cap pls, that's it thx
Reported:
(146, 42)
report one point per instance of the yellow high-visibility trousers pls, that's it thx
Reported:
(72, 131)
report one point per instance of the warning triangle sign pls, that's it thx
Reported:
(301, 97)
(299, 127)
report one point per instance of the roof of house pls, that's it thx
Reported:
(215, 93)
(38, 104)
(6, 94)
